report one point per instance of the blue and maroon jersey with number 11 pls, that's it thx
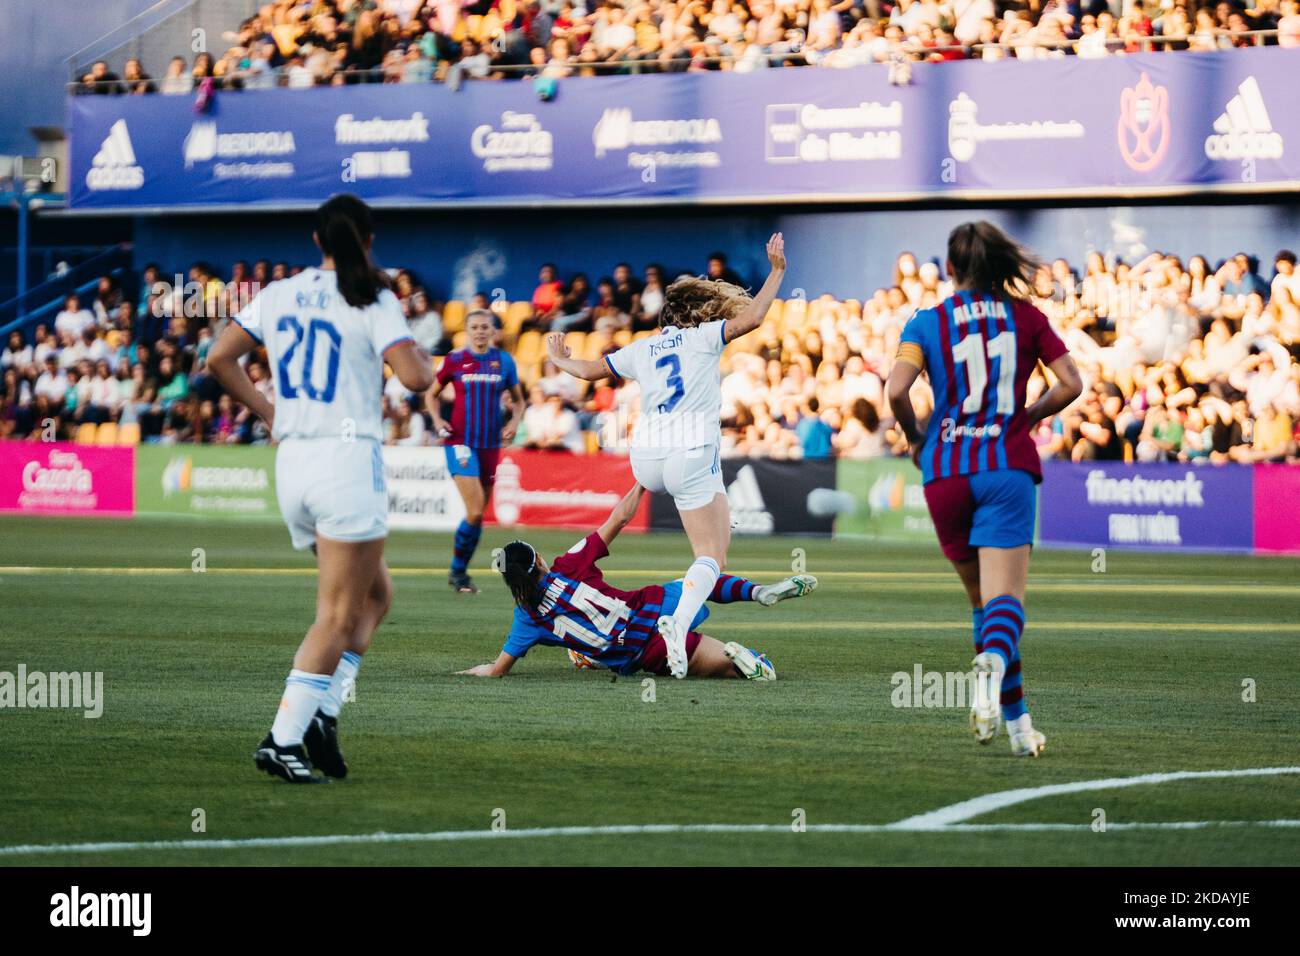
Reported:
(979, 350)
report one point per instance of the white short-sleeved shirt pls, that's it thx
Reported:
(681, 393)
(326, 356)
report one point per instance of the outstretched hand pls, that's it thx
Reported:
(776, 251)
(555, 345)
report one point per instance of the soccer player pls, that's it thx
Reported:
(480, 376)
(676, 444)
(977, 459)
(569, 604)
(327, 332)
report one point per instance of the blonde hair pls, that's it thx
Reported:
(691, 301)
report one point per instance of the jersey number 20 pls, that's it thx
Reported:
(316, 328)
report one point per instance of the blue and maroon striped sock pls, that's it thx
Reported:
(731, 588)
(1004, 622)
(977, 624)
(463, 545)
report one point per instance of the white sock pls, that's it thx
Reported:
(302, 696)
(341, 684)
(697, 585)
(1020, 725)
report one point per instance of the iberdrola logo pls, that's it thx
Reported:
(176, 476)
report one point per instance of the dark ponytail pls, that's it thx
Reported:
(986, 259)
(344, 226)
(518, 565)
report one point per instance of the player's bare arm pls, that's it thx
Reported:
(223, 360)
(561, 357)
(515, 403)
(497, 668)
(901, 378)
(756, 311)
(621, 516)
(411, 365)
(1067, 387)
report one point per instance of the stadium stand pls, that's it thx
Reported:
(303, 43)
(1183, 361)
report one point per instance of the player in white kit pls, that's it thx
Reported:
(327, 332)
(676, 444)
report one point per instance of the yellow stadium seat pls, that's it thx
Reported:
(622, 337)
(453, 317)
(128, 434)
(85, 434)
(529, 347)
(644, 334)
(107, 434)
(459, 339)
(516, 315)
(593, 442)
(774, 311)
(575, 341)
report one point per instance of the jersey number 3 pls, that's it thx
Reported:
(305, 382)
(674, 366)
(970, 352)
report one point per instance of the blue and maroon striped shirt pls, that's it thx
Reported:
(477, 384)
(979, 350)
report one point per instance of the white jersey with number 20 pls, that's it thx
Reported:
(681, 387)
(326, 356)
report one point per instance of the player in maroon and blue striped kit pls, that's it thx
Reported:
(569, 604)
(978, 462)
(480, 375)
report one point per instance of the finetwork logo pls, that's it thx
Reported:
(748, 509)
(1244, 130)
(965, 132)
(114, 166)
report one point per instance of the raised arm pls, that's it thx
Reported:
(561, 357)
(756, 311)
(623, 513)
(223, 361)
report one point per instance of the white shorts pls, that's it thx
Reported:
(692, 476)
(333, 488)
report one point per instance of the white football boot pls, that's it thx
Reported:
(754, 665)
(986, 707)
(675, 644)
(1025, 740)
(792, 587)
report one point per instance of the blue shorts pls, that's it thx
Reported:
(467, 462)
(989, 509)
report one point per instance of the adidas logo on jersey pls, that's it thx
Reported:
(114, 166)
(749, 514)
(1244, 130)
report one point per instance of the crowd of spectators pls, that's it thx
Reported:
(302, 43)
(1183, 361)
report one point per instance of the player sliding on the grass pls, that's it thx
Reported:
(569, 604)
(327, 332)
(977, 459)
(676, 444)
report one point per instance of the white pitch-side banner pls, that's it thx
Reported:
(421, 493)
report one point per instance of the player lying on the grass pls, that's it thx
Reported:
(978, 462)
(569, 604)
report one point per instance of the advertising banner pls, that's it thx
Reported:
(767, 497)
(560, 490)
(217, 481)
(421, 492)
(1159, 507)
(890, 497)
(1277, 509)
(60, 478)
(1149, 123)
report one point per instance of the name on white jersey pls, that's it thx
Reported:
(668, 343)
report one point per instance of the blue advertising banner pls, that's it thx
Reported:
(1161, 507)
(1124, 125)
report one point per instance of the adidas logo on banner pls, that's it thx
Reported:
(114, 166)
(749, 514)
(1244, 131)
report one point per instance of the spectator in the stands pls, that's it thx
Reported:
(178, 78)
(548, 294)
(73, 319)
(718, 269)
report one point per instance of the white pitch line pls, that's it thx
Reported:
(649, 829)
(978, 806)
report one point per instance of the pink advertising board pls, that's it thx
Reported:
(60, 478)
(1277, 509)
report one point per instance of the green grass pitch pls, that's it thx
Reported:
(1136, 670)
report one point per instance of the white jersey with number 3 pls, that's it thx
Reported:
(326, 356)
(681, 387)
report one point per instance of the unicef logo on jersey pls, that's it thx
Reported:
(950, 431)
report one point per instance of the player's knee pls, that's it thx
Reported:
(339, 620)
(381, 594)
(474, 514)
